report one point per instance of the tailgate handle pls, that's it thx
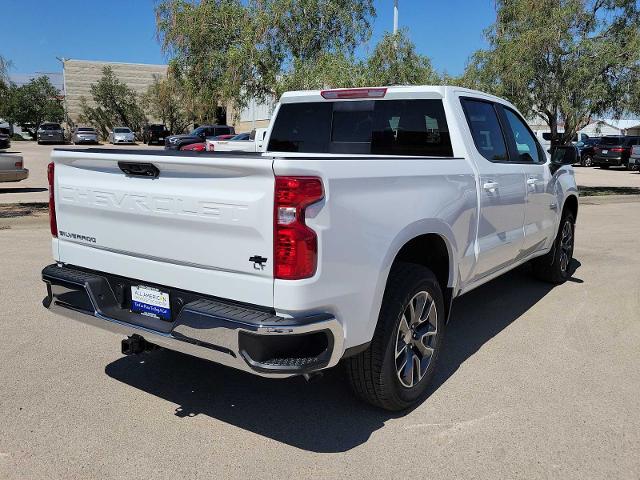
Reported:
(135, 169)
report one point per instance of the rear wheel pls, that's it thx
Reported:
(587, 161)
(554, 267)
(394, 372)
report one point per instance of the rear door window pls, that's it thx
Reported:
(485, 129)
(376, 127)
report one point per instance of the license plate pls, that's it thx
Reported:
(161, 138)
(150, 301)
(605, 152)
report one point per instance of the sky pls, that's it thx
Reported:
(31, 36)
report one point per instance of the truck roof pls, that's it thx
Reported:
(395, 92)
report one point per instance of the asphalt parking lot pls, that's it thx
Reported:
(534, 382)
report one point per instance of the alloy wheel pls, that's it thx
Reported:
(415, 339)
(566, 245)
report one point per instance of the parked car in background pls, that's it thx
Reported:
(586, 150)
(244, 142)
(122, 135)
(155, 133)
(84, 135)
(226, 136)
(200, 134)
(614, 151)
(12, 168)
(634, 159)
(50, 132)
(194, 147)
(5, 138)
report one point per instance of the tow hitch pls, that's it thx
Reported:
(136, 344)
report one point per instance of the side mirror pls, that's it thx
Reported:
(564, 155)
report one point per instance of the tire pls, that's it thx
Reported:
(553, 267)
(376, 375)
(587, 161)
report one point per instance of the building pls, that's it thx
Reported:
(79, 75)
(601, 128)
(254, 115)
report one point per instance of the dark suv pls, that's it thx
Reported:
(586, 150)
(614, 150)
(155, 133)
(175, 142)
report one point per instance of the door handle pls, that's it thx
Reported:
(490, 186)
(531, 180)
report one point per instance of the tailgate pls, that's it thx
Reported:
(193, 227)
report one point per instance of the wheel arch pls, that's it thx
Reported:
(571, 205)
(433, 248)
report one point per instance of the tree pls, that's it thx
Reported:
(31, 104)
(164, 100)
(228, 51)
(395, 61)
(114, 103)
(564, 61)
(4, 84)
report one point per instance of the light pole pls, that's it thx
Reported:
(395, 16)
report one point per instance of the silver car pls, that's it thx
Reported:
(50, 132)
(122, 135)
(12, 168)
(84, 135)
(634, 159)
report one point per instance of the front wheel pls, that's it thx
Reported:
(554, 266)
(587, 161)
(394, 372)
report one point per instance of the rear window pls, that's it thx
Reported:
(50, 126)
(382, 127)
(611, 140)
(88, 130)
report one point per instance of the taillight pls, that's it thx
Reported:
(618, 150)
(52, 201)
(295, 249)
(18, 164)
(349, 93)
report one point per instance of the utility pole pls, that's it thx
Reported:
(395, 16)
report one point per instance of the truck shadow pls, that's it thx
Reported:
(321, 416)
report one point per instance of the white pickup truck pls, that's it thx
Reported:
(347, 240)
(255, 143)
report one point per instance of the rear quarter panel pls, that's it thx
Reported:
(372, 207)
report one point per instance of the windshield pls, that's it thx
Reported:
(86, 130)
(121, 130)
(197, 132)
(612, 141)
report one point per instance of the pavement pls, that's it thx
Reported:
(534, 382)
(36, 158)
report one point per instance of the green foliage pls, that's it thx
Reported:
(395, 61)
(164, 100)
(228, 51)
(561, 60)
(114, 104)
(33, 103)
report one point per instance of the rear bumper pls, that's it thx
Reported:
(13, 175)
(248, 339)
(614, 161)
